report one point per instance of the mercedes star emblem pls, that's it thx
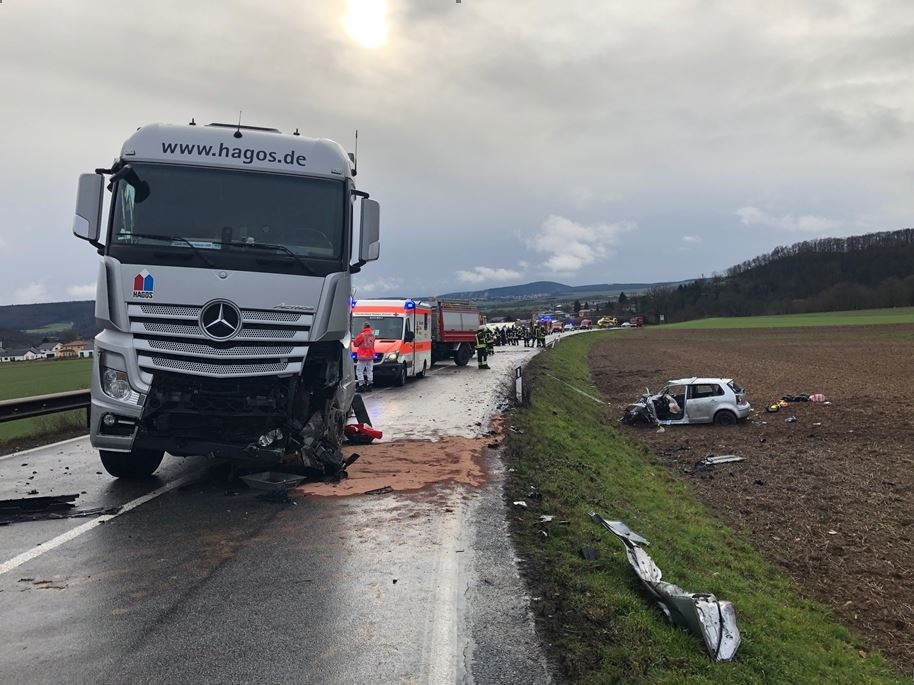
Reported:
(220, 319)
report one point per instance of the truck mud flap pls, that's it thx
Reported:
(358, 408)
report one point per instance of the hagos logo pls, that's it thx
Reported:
(143, 285)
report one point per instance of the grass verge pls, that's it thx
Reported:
(24, 379)
(863, 317)
(602, 624)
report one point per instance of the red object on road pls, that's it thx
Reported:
(363, 429)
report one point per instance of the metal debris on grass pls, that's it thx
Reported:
(712, 461)
(589, 553)
(702, 613)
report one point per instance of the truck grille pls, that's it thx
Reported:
(169, 337)
(204, 369)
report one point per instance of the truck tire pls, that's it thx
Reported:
(400, 380)
(463, 355)
(131, 465)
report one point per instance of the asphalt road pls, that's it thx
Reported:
(194, 581)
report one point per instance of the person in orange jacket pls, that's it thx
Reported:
(364, 353)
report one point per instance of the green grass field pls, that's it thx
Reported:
(52, 328)
(604, 626)
(23, 379)
(862, 317)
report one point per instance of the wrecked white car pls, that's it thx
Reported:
(691, 400)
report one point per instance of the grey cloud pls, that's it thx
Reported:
(480, 119)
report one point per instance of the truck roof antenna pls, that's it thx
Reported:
(237, 133)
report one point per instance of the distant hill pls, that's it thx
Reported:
(539, 289)
(829, 274)
(33, 321)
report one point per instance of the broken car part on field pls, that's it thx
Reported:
(711, 461)
(702, 613)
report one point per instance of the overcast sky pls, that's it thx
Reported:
(574, 140)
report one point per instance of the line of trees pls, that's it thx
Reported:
(828, 274)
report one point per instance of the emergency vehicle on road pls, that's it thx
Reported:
(411, 335)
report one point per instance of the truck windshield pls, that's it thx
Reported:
(383, 327)
(225, 210)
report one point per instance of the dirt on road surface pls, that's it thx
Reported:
(407, 465)
(830, 498)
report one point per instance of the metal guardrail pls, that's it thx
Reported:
(41, 405)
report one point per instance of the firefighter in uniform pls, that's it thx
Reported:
(540, 336)
(482, 347)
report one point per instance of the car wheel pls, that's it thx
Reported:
(725, 417)
(400, 381)
(131, 465)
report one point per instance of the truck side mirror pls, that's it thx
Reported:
(87, 219)
(370, 230)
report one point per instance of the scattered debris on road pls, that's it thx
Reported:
(272, 480)
(702, 613)
(521, 504)
(46, 509)
(380, 491)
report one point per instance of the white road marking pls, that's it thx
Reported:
(43, 447)
(442, 650)
(54, 543)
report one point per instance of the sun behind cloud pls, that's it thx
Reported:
(366, 22)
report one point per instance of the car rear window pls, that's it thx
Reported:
(734, 386)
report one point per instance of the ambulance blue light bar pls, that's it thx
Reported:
(409, 304)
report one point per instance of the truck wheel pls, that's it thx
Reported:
(463, 355)
(725, 418)
(400, 380)
(131, 465)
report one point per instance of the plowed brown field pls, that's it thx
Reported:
(829, 498)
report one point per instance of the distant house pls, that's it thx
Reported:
(31, 354)
(69, 350)
(48, 350)
(88, 350)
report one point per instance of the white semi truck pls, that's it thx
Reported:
(223, 294)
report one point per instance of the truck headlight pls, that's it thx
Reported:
(115, 384)
(392, 356)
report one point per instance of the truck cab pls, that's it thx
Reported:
(223, 294)
(403, 336)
